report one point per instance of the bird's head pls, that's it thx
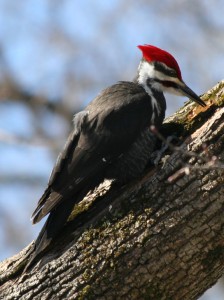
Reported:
(159, 70)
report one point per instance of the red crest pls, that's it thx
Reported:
(152, 53)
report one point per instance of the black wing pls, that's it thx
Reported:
(105, 130)
(51, 197)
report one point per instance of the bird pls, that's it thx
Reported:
(111, 139)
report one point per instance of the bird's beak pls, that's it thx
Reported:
(189, 93)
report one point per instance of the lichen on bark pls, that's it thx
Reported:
(159, 237)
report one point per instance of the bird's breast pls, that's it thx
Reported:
(132, 163)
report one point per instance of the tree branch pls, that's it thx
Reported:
(160, 237)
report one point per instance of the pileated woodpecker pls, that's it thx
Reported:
(110, 139)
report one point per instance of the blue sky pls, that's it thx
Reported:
(46, 43)
(40, 58)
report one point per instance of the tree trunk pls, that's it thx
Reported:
(160, 237)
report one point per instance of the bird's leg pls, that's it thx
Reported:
(168, 144)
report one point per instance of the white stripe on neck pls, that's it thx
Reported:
(147, 71)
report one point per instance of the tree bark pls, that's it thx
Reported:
(159, 237)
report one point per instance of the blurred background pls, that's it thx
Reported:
(55, 57)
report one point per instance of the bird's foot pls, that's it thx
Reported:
(168, 144)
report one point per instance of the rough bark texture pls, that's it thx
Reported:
(160, 237)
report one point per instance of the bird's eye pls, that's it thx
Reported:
(161, 67)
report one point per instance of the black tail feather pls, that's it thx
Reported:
(57, 219)
(54, 223)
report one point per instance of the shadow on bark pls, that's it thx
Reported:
(159, 237)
